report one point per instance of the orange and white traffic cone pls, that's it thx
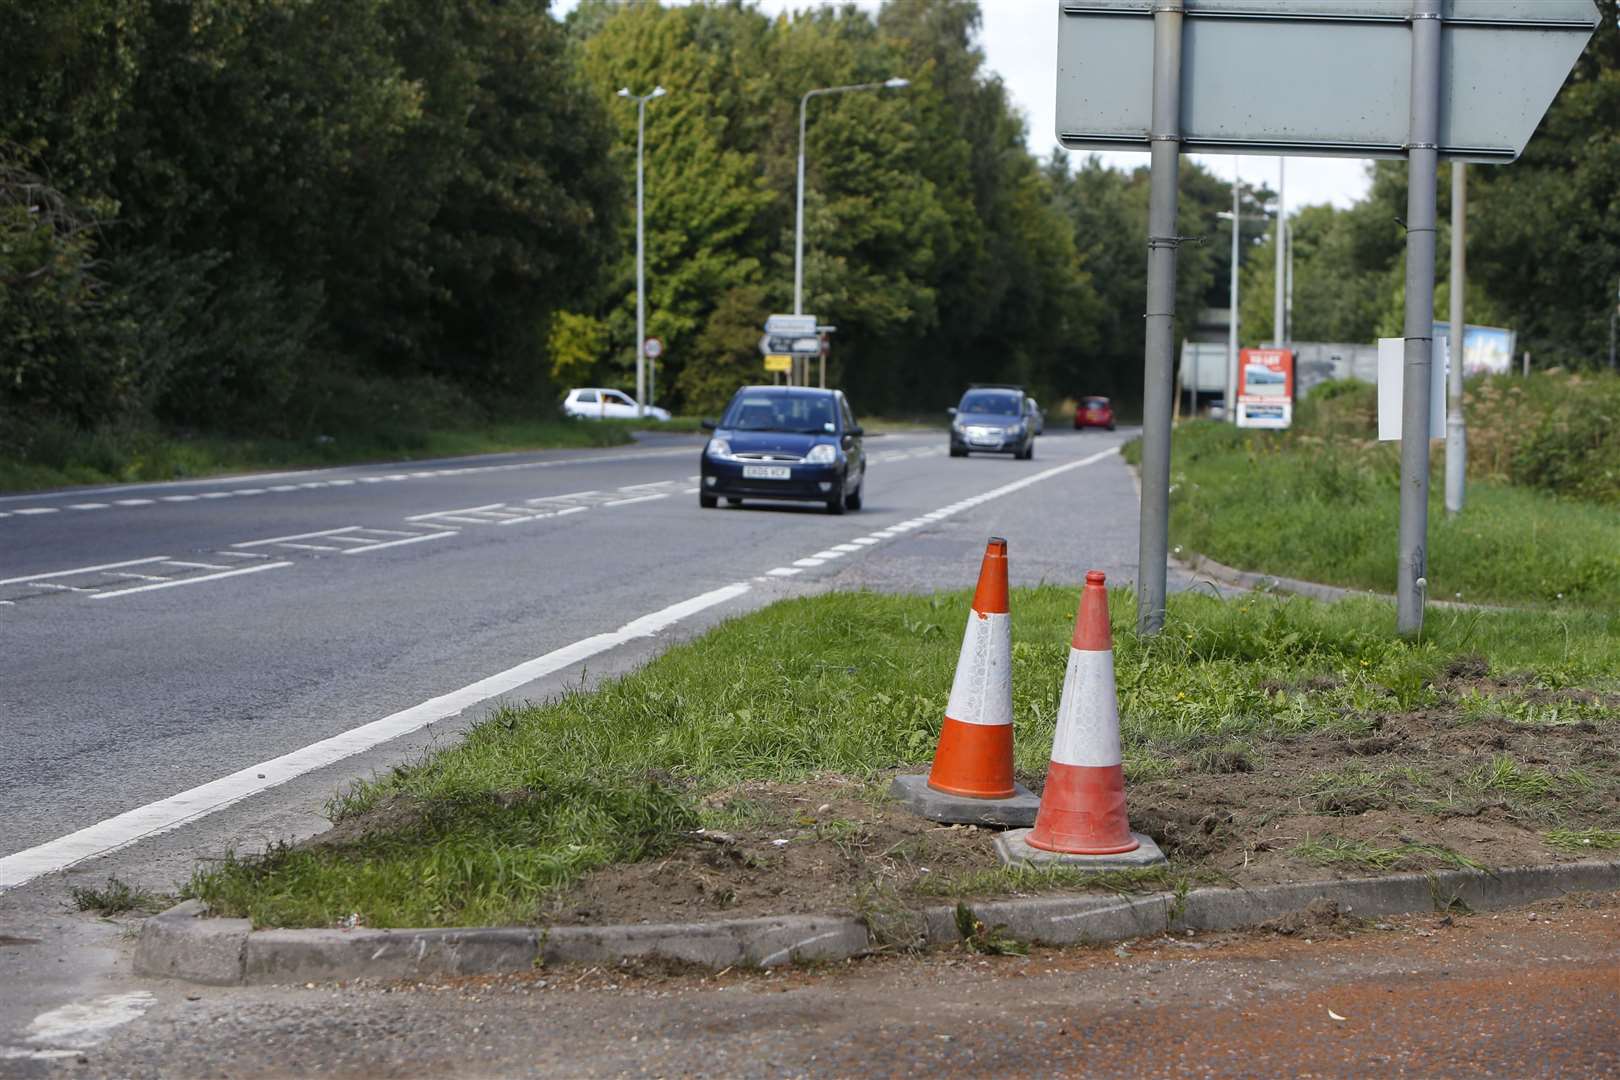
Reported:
(1082, 812)
(972, 777)
(975, 753)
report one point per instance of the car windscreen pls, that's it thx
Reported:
(977, 401)
(761, 410)
(1096, 403)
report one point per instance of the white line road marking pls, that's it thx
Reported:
(285, 487)
(248, 491)
(137, 577)
(865, 541)
(808, 562)
(397, 543)
(242, 554)
(824, 556)
(310, 547)
(566, 495)
(196, 565)
(88, 506)
(690, 491)
(215, 495)
(192, 581)
(134, 502)
(462, 510)
(784, 571)
(168, 814)
(64, 588)
(571, 510)
(298, 536)
(85, 569)
(845, 548)
(35, 510)
(637, 499)
(179, 498)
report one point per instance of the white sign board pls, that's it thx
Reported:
(790, 325)
(1316, 77)
(1392, 388)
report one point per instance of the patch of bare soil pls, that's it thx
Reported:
(1422, 790)
(824, 846)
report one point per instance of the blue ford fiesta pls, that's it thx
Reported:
(778, 442)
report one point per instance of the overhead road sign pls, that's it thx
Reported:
(1316, 77)
(790, 325)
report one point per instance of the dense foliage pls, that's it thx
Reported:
(300, 217)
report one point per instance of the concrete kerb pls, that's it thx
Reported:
(183, 943)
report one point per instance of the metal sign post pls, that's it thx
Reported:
(1464, 79)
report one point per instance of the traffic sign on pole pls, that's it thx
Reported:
(1317, 77)
(790, 325)
(652, 348)
(1420, 79)
(778, 362)
(794, 346)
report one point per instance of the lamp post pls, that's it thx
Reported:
(641, 245)
(1235, 217)
(798, 217)
(1279, 316)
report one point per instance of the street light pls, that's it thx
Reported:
(798, 220)
(641, 254)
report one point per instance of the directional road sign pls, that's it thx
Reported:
(794, 345)
(790, 325)
(1316, 77)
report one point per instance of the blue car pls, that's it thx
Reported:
(777, 442)
(993, 420)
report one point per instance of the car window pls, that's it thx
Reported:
(616, 398)
(990, 401)
(1096, 403)
(586, 396)
(849, 417)
(762, 410)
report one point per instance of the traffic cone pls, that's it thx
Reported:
(975, 753)
(971, 781)
(1083, 806)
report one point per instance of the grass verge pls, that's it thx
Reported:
(115, 457)
(1326, 509)
(1261, 737)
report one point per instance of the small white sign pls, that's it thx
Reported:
(1392, 383)
(652, 348)
(790, 325)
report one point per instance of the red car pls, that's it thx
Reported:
(1094, 412)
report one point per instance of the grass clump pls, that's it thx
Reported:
(116, 897)
(1583, 839)
(1360, 855)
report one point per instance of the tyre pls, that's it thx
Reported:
(707, 502)
(1111, 426)
(732, 500)
(853, 500)
(1029, 454)
(957, 451)
(835, 501)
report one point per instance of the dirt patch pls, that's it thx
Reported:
(1428, 789)
(1321, 918)
(828, 845)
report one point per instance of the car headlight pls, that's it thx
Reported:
(1015, 429)
(822, 454)
(719, 448)
(957, 425)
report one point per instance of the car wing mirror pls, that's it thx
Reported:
(951, 411)
(709, 425)
(857, 430)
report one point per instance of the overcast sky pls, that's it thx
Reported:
(1020, 45)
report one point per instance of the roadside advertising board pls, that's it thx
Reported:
(1487, 350)
(1265, 388)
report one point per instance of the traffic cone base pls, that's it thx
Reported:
(974, 760)
(1014, 849)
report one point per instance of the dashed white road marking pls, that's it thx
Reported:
(87, 506)
(784, 571)
(297, 536)
(35, 510)
(170, 813)
(397, 543)
(82, 570)
(845, 548)
(191, 580)
(463, 510)
(134, 502)
(637, 499)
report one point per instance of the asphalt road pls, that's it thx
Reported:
(159, 637)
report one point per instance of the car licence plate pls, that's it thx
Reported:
(767, 472)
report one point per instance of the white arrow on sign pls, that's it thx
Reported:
(1317, 77)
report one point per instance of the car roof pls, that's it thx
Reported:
(806, 391)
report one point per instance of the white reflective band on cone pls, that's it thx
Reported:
(982, 691)
(1088, 713)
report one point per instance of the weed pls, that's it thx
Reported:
(1359, 855)
(987, 940)
(1583, 839)
(116, 898)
